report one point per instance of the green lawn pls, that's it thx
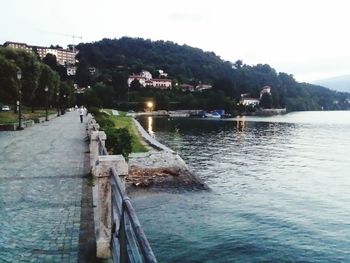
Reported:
(11, 117)
(122, 121)
(8, 117)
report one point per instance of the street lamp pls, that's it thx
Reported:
(58, 103)
(149, 105)
(47, 102)
(19, 102)
(63, 111)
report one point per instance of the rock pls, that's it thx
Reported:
(162, 179)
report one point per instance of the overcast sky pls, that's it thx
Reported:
(307, 38)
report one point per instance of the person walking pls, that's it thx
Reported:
(81, 113)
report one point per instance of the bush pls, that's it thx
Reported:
(105, 122)
(94, 111)
(118, 141)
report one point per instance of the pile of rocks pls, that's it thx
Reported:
(161, 171)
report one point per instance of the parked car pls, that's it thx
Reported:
(5, 108)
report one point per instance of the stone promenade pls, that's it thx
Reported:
(41, 179)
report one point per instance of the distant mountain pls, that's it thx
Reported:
(339, 83)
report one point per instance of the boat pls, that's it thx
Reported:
(213, 115)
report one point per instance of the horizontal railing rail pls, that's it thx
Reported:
(127, 230)
(128, 243)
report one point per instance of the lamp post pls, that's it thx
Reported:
(150, 105)
(64, 104)
(58, 104)
(46, 103)
(19, 102)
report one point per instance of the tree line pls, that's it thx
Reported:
(36, 77)
(115, 59)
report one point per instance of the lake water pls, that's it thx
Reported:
(280, 190)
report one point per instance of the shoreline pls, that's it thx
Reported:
(160, 169)
(196, 113)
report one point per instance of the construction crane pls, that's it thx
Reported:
(68, 35)
(74, 37)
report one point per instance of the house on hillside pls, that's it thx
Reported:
(161, 83)
(249, 101)
(64, 57)
(141, 79)
(71, 70)
(162, 74)
(146, 74)
(265, 90)
(246, 100)
(186, 87)
(202, 87)
(146, 80)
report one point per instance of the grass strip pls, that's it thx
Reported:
(122, 121)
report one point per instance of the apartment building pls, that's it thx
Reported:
(63, 56)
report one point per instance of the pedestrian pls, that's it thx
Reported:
(81, 113)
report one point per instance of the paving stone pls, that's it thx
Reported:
(40, 191)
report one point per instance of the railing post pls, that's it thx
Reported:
(94, 146)
(92, 125)
(103, 217)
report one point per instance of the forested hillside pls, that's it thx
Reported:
(115, 59)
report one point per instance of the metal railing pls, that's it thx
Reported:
(128, 243)
(101, 148)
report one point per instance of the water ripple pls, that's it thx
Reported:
(280, 191)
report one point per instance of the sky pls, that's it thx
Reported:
(307, 38)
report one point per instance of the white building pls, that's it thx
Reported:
(141, 79)
(161, 83)
(202, 87)
(162, 74)
(265, 90)
(146, 80)
(63, 56)
(249, 101)
(186, 87)
(146, 74)
(71, 70)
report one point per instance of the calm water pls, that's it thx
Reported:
(280, 190)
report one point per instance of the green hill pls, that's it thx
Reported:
(115, 59)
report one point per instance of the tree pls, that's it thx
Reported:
(135, 85)
(30, 67)
(266, 101)
(105, 93)
(120, 85)
(226, 85)
(186, 64)
(8, 81)
(83, 76)
(91, 99)
(51, 61)
(50, 79)
(66, 94)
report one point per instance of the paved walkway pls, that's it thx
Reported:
(41, 175)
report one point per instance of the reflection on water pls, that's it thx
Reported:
(150, 126)
(280, 190)
(240, 122)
